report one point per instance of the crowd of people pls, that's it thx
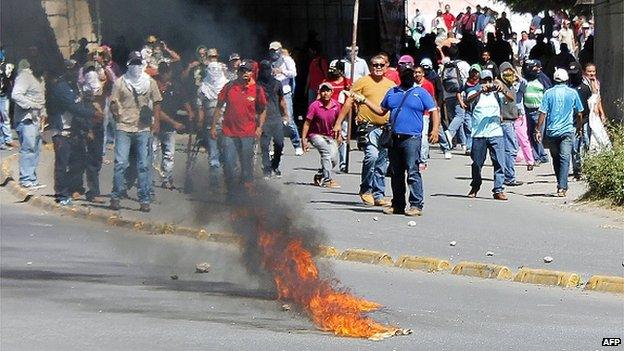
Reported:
(469, 83)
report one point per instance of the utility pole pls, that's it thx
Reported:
(356, 13)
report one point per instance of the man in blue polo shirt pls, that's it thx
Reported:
(406, 104)
(559, 107)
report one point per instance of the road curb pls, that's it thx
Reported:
(547, 277)
(423, 263)
(367, 256)
(605, 284)
(482, 270)
(429, 264)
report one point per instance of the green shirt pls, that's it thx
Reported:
(534, 94)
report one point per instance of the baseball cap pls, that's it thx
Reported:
(406, 59)
(406, 66)
(275, 45)
(475, 67)
(561, 75)
(152, 39)
(212, 52)
(585, 25)
(325, 86)
(574, 68)
(486, 73)
(246, 65)
(134, 58)
(234, 56)
(426, 63)
(533, 63)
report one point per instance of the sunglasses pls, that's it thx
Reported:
(378, 65)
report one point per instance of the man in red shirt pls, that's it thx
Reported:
(317, 72)
(391, 72)
(449, 18)
(421, 81)
(243, 101)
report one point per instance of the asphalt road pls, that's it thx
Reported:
(73, 285)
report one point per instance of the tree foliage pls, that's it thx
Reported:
(539, 5)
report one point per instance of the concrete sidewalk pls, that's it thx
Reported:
(520, 232)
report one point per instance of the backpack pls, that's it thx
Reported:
(451, 78)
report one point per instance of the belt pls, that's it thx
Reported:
(403, 136)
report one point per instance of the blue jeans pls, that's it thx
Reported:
(292, 131)
(539, 154)
(480, 147)
(237, 151)
(141, 143)
(5, 123)
(342, 148)
(511, 150)
(213, 148)
(581, 145)
(165, 140)
(460, 121)
(404, 157)
(374, 167)
(30, 144)
(561, 151)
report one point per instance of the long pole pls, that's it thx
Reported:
(356, 15)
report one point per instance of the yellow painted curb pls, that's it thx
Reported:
(328, 251)
(367, 256)
(606, 283)
(482, 270)
(547, 277)
(430, 264)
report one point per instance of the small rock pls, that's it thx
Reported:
(489, 253)
(411, 223)
(203, 267)
(453, 243)
(548, 259)
(29, 263)
(375, 219)
(358, 220)
(286, 307)
(174, 277)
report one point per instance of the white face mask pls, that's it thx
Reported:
(135, 71)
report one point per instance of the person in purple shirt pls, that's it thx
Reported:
(318, 128)
(407, 104)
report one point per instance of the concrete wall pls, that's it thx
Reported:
(609, 55)
(70, 20)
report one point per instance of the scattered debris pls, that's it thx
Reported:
(28, 263)
(411, 223)
(375, 219)
(489, 253)
(358, 220)
(286, 307)
(453, 243)
(548, 259)
(174, 277)
(203, 267)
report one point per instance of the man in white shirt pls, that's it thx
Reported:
(361, 67)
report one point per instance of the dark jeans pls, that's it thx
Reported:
(404, 157)
(480, 147)
(62, 154)
(581, 145)
(539, 154)
(561, 151)
(237, 150)
(87, 158)
(275, 132)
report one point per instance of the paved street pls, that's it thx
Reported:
(75, 285)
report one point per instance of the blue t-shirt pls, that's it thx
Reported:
(559, 104)
(410, 120)
(486, 115)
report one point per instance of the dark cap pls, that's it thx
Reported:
(246, 66)
(574, 68)
(234, 56)
(134, 58)
(407, 66)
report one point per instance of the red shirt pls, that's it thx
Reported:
(428, 86)
(339, 87)
(393, 75)
(318, 72)
(243, 102)
(449, 20)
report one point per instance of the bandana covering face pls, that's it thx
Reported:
(137, 79)
(214, 81)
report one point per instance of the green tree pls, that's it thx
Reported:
(539, 5)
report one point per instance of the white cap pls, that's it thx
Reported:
(561, 75)
(275, 45)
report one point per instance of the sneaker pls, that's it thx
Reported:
(448, 155)
(66, 202)
(530, 168)
(391, 210)
(277, 173)
(500, 196)
(464, 149)
(115, 205)
(331, 184)
(561, 193)
(33, 186)
(96, 199)
(145, 207)
(76, 195)
(413, 212)
(298, 151)
(422, 167)
(514, 183)
(473, 193)
(449, 138)
(318, 179)
(368, 199)
(267, 176)
(10, 144)
(382, 202)
(271, 153)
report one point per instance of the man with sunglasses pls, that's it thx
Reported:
(375, 164)
(407, 104)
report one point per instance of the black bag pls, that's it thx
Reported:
(387, 135)
(361, 133)
(146, 115)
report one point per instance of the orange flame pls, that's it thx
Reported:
(297, 279)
